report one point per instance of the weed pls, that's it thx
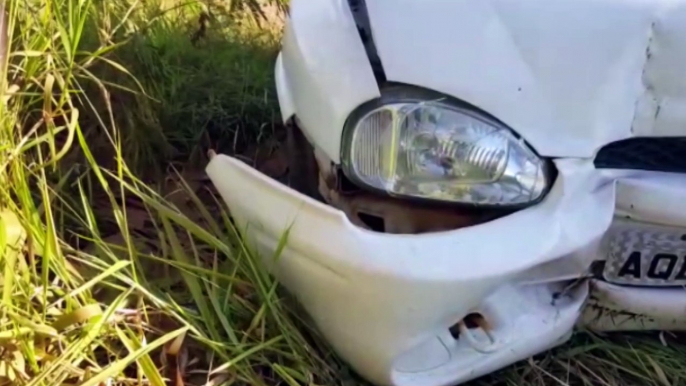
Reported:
(104, 279)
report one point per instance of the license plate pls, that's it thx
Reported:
(645, 255)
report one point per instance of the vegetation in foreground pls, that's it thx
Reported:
(118, 264)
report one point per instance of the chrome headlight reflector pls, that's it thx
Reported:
(441, 151)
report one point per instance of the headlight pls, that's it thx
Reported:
(438, 149)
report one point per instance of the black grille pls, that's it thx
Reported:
(654, 154)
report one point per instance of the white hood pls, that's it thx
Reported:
(568, 75)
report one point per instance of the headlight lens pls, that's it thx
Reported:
(437, 151)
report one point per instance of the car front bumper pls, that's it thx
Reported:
(387, 302)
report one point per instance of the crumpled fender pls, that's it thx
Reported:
(323, 72)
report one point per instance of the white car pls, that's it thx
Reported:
(472, 180)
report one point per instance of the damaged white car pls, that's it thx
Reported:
(471, 180)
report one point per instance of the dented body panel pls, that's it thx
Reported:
(386, 302)
(569, 77)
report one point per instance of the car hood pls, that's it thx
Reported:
(569, 75)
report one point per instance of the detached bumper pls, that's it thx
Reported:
(386, 302)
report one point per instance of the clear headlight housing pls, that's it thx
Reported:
(441, 151)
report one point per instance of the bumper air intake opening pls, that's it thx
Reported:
(375, 223)
(665, 154)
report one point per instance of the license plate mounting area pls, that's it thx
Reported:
(645, 254)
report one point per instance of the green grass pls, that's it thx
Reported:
(103, 277)
(117, 260)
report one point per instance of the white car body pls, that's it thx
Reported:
(570, 77)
